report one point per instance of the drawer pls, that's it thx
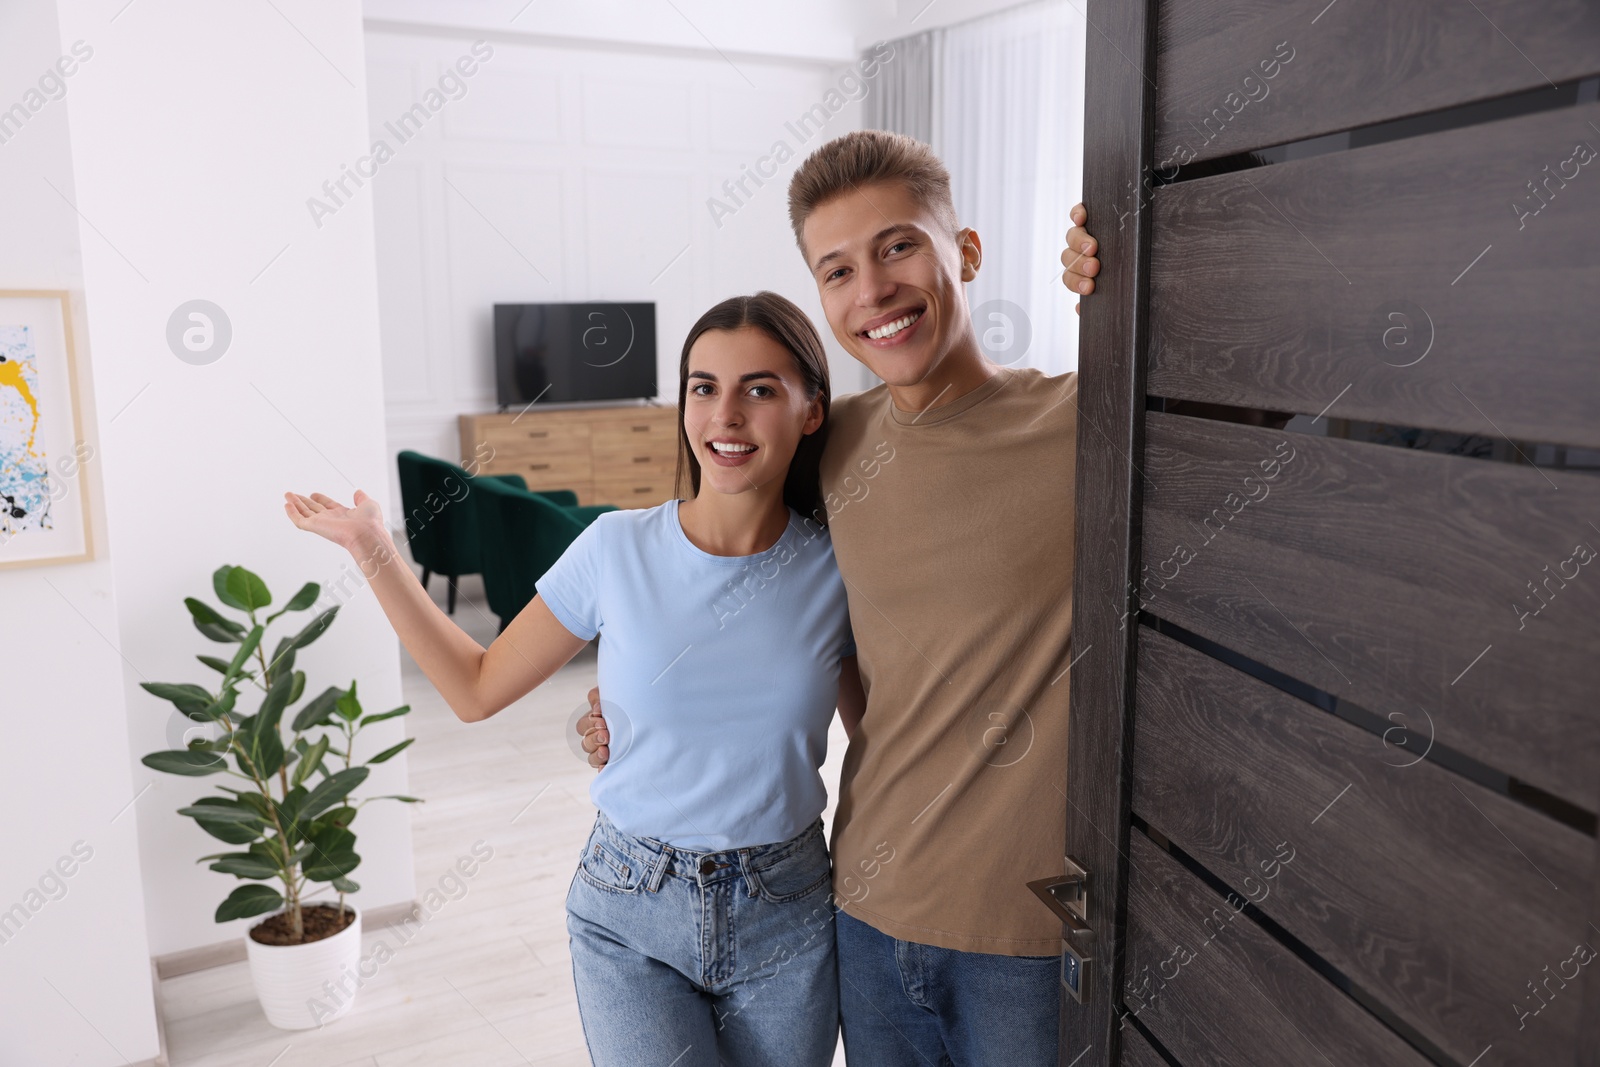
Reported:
(536, 435)
(544, 472)
(616, 464)
(657, 427)
(641, 492)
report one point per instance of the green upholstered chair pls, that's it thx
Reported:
(441, 519)
(523, 534)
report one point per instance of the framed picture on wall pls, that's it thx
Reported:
(44, 497)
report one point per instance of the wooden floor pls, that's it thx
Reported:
(487, 979)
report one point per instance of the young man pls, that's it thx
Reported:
(949, 492)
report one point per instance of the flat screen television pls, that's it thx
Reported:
(561, 353)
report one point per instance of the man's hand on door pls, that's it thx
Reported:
(1079, 257)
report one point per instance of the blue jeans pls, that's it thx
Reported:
(695, 959)
(905, 1003)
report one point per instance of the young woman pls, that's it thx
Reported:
(700, 916)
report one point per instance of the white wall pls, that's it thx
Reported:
(75, 974)
(577, 173)
(198, 131)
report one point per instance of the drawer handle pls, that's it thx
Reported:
(538, 466)
(538, 433)
(644, 489)
(642, 429)
(641, 459)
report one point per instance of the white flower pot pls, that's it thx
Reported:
(303, 986)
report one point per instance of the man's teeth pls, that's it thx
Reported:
(889, 329)
(726, 449)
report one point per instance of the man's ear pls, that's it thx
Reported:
(971, 250)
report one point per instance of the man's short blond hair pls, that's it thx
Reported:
(862, 157)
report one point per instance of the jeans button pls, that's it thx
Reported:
(707, 866)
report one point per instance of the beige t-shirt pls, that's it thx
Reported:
(953, 529)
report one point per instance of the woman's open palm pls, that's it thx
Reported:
(344, 526)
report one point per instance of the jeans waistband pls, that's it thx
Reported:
(660, 860)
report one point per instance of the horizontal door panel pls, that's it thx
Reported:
(1422, 283)
(1458, 596)
(1451, 904)
(1233, 75)
(1214, 988)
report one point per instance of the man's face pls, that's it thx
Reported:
(890, 276)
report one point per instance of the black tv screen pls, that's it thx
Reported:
(559, 353)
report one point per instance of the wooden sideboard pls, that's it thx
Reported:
(624, 455)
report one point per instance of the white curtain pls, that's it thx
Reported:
(1004, 105)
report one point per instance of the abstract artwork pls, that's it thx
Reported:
(43, 513)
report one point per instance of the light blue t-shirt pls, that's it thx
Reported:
(719, 675)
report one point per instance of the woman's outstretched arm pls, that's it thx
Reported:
(474, 682)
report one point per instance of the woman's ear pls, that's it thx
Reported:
(814, 417)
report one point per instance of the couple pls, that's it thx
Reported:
(930, 522)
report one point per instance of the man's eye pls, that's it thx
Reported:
(899, 244)
(834, 274)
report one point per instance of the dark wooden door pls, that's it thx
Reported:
(1334, 762)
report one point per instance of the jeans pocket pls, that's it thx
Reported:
(794, 874)
(605, 867)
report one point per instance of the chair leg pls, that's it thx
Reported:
(426, 574)
(450, 597)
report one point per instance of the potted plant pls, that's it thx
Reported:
(290, 819)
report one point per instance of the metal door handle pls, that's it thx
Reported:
(1067, 896)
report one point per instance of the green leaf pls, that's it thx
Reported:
(248, 900)
(339, 818)
(246, 865)
(227, 811)
(289, 807)
(345, 885)
(334, 855)
(326, 866)
(216, 664)
(234, 833)
(298, 687)
(399, 797)
(391, 751)
(317, 711)
(349, 708)
(282, 659)
(331, 790)
(403, 709)
(242, 589)
(222, 706)
(192, 764)
(310, 761)
(246, 647)
(192, 700)
(211, 623)
(314, 629)
(302, 600)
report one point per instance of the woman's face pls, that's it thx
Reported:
(745, 409)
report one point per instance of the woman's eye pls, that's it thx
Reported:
(762, 390)
(696, 389)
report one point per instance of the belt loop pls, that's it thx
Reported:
(744, 869)
(658, 869)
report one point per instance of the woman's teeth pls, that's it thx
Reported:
(725, 449)
(889, 329)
